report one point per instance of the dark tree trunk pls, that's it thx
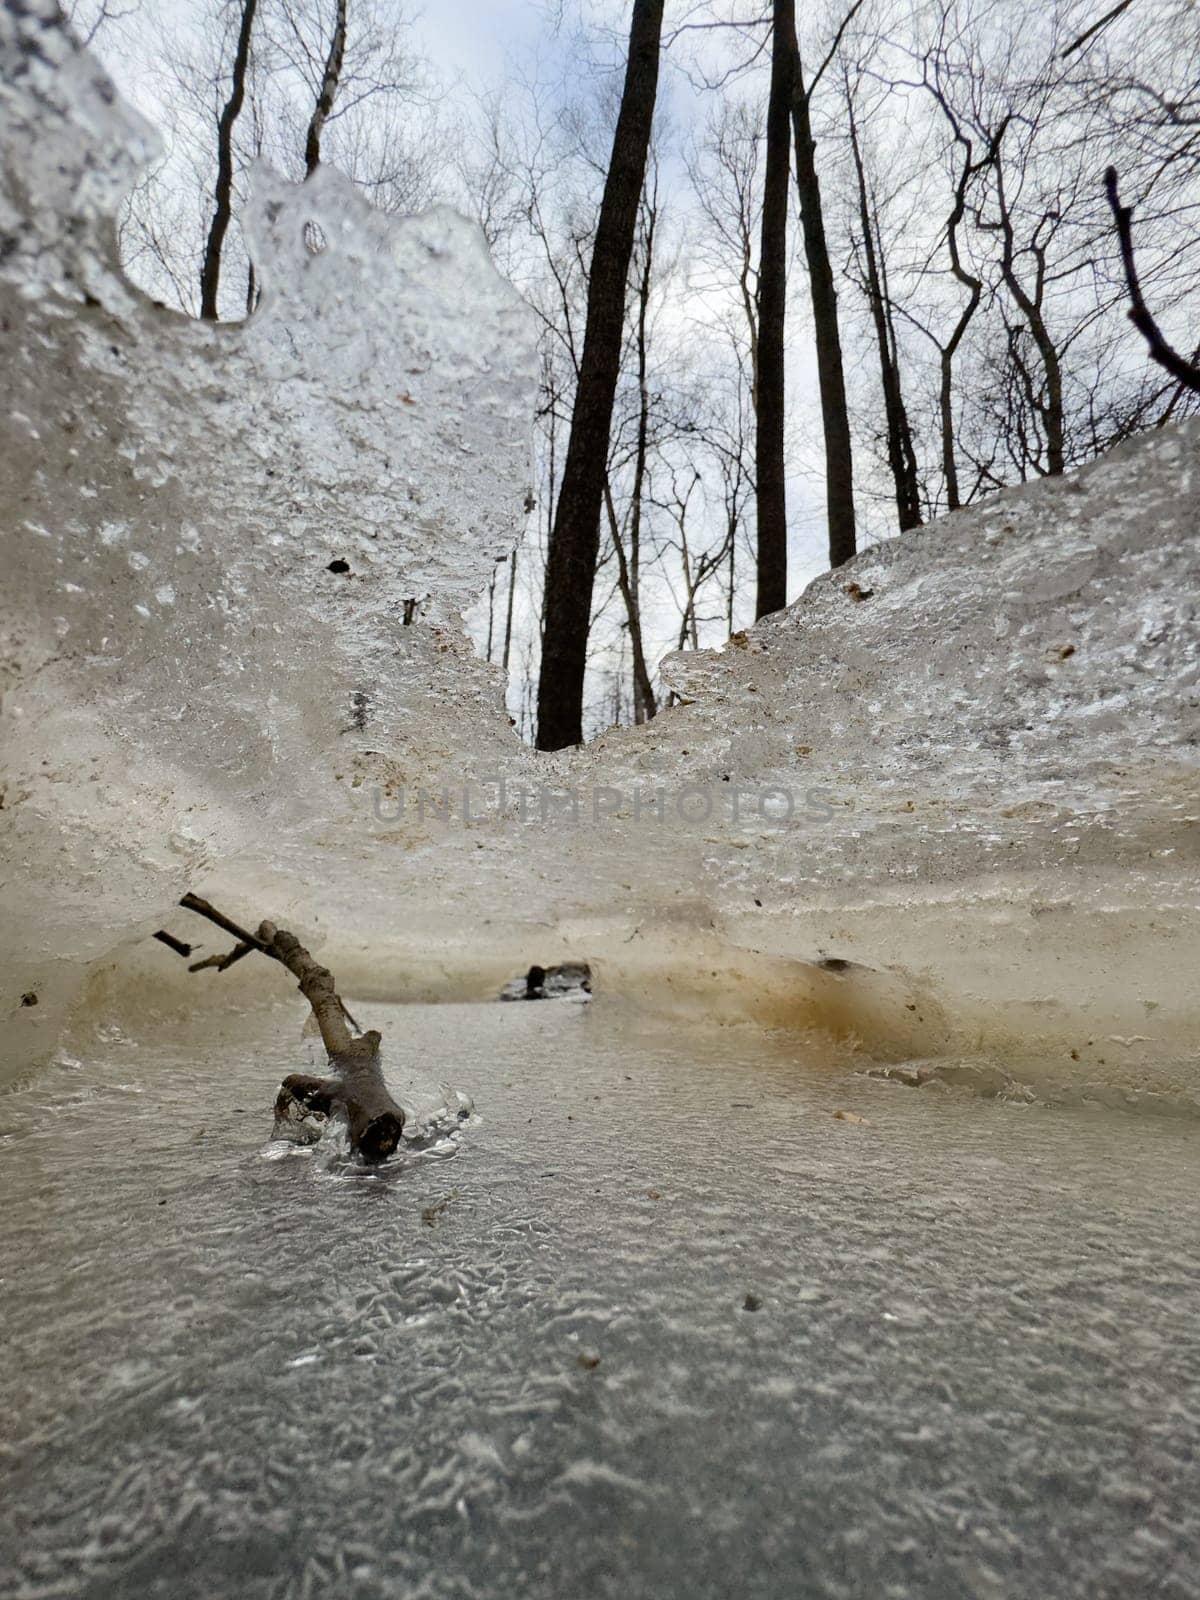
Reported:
(971, 283)
(839, 467)
(770, 484)
(575, 539)
(1185, 372)
(948, 351)
(329, 88)
(210, 272)
(901, 458)
(508, 614)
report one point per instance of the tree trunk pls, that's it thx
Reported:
(210, 272)
(575, 540)
(1031, 306)
(971, 283)
(329, 87)
(839, 467)
(508, 614)
(907, 449)
(645, 705)
(974, 287)
(900, 461)
(770, 481)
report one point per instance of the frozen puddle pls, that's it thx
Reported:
(527, 1362)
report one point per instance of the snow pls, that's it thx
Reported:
(962, 770)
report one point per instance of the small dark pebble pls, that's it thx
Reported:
(751, 1303)
(338, 565)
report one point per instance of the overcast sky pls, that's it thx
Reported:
(471, 39)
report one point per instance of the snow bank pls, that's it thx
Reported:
(947, 802)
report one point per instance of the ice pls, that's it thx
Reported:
(183, 672)
(945, 805)
(530, 1370)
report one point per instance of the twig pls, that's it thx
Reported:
(833, 48)
(1096, 27)
(193, 902)
(223, 963)
(1139, 313)
(247, 942)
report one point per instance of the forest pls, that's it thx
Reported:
(802, 283)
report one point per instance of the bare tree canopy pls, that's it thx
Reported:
(939, 308)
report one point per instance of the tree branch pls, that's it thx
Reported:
(1161, 351)
(1096, 27)
(357, 1085)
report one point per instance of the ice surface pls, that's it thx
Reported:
(529, 1370)
(946, 803)
(183, 672)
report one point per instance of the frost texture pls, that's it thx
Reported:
(180, 662)
(532, 1372)
(982, 738)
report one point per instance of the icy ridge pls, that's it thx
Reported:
(946, 802)
(218, 537)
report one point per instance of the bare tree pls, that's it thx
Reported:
(726, 178)
(1042, 392)
(965, 162)
(644, 701)
(329, 88)
(726, 175)
(901, 455)
(835, 416)
(770, 400)
(575, 539)
(210, 273)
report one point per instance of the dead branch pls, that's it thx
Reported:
(1097, 27)
(356, 1086)
(1161, 351)
(222, 963)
